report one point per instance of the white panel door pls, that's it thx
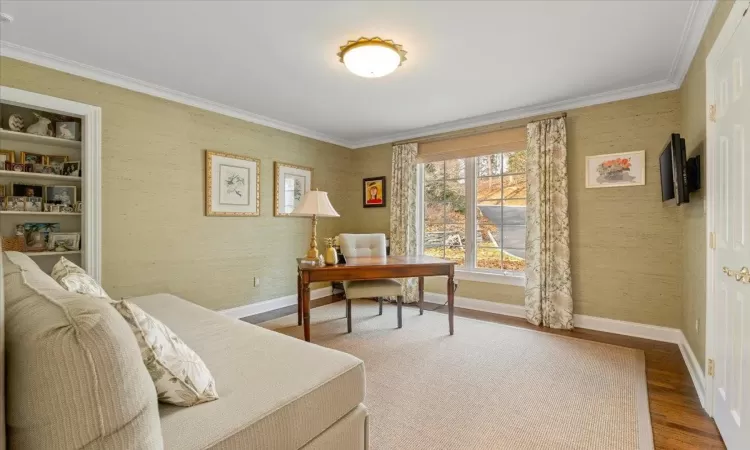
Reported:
(732, 228)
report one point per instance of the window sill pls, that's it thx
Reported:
(490, 277)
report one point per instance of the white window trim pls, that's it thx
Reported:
(466, 273)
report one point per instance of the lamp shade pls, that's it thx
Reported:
(315, 203)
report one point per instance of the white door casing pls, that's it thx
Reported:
(728, 303)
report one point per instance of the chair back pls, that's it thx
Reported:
(355, 245)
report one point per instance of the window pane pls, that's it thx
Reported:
(514, 186)
(457, 254)
(434, 212)
(455, 169)
(513, 214)
(437, 252)
(513, 262)
(514, 239)
(434, 192)
(489, 190)
(455, 196)
(515, 202)
(434, 171)
(490, 165)
(514, 162)
(489, 258)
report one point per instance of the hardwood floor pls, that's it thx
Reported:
(677, 418)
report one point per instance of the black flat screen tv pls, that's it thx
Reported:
(673, 168)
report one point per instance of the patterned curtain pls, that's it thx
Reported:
(404, 210)
(549, 300)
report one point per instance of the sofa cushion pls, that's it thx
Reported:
(276, 392)
(75, 279)
(179, 374)
(75, 377)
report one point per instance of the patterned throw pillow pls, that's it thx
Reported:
(75, 279)
(179, 374)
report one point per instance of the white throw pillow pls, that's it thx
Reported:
(75, 279)
(179, 374)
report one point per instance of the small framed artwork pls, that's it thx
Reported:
(57, 167)
(2, 190)
(373, 192)
(232, 185)
(62, 195)
(15, 203)
(616, 170)
(64, 242)
(68, 130)
(32, 158)
(291, 183)
(27, 190)
(15, 167)
(79, 207)
(72, 169)
(37, 235)
(7, 156)
(34, 204)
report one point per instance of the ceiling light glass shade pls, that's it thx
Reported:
(372, 57)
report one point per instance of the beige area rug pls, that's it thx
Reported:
(489, 386)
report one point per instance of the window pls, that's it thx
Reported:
(474, 212)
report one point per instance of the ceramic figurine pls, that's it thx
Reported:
(64, 132)
(15, 122)
(19, 230)
(41, 127)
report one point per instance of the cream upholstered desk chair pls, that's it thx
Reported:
(357, 245)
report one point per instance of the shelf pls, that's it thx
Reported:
(40, 176)
(44, 140)
(32, 213)
(72, 252)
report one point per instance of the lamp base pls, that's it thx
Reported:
(312, 254)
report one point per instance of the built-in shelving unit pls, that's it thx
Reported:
(36, 139)
(86, 150)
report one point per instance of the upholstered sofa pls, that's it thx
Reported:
(75, 379)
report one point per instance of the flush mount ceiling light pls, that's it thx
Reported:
(372, 57)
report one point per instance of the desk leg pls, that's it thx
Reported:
(306, 309)
(450, 302)
(299, 298)
(421, 295)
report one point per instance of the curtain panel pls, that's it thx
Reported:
(404, 210)
(548, 298)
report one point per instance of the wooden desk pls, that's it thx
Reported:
(370, 268)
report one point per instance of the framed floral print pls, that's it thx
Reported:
(616, 170)
(373, 192)
(291, 183)
(232, 185)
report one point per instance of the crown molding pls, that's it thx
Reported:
(523, 112)
(698, 17)
(39, 58)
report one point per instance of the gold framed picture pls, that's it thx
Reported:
(7, 155)
(232, 185)
(32, 158)
(291, 183)
(57, 159)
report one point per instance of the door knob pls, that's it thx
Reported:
(742, 275)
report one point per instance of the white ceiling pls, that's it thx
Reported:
(469, 63)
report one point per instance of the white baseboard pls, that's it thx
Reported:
(696, 373)
(275, 303)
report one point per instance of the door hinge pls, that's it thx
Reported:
(712, 113)
(712, 241)
(710, 367)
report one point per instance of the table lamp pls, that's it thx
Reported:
(316, 204)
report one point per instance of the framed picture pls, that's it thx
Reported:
(7, 155)
(68, 130)
(34, 204)
(2, 203)
(15, 167)
(26, 190)
(32, 158)
(2, 190)
(72, 169)
(373, 192)
(15, 203)
(62, 195)
(232, 185)
(37, 235)
(291, 183)
(616, 170)
(64, 242)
